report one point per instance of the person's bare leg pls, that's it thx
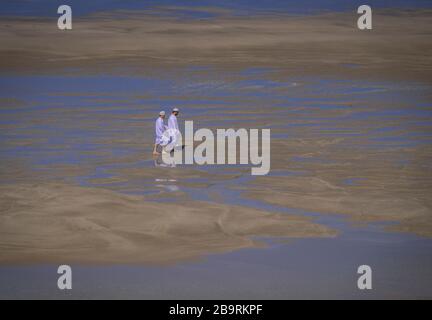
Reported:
(154, 149)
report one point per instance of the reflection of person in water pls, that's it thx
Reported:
(160, 129)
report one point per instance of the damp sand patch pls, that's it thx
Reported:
(59, 223)
(364, 203)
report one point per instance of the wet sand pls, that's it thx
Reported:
(143, 43)
(64, 224)
(350, 114)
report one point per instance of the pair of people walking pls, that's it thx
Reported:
(160, 128)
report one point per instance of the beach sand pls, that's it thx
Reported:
(137, 42)
(56, 223)
(324, 142)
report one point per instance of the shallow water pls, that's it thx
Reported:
(98, 130)
(191, 9)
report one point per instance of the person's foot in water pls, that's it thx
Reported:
(155, 152)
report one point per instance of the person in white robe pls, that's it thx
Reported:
(160, 128)
(172, 121)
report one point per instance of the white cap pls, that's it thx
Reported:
(175, 110)
(162, 113)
